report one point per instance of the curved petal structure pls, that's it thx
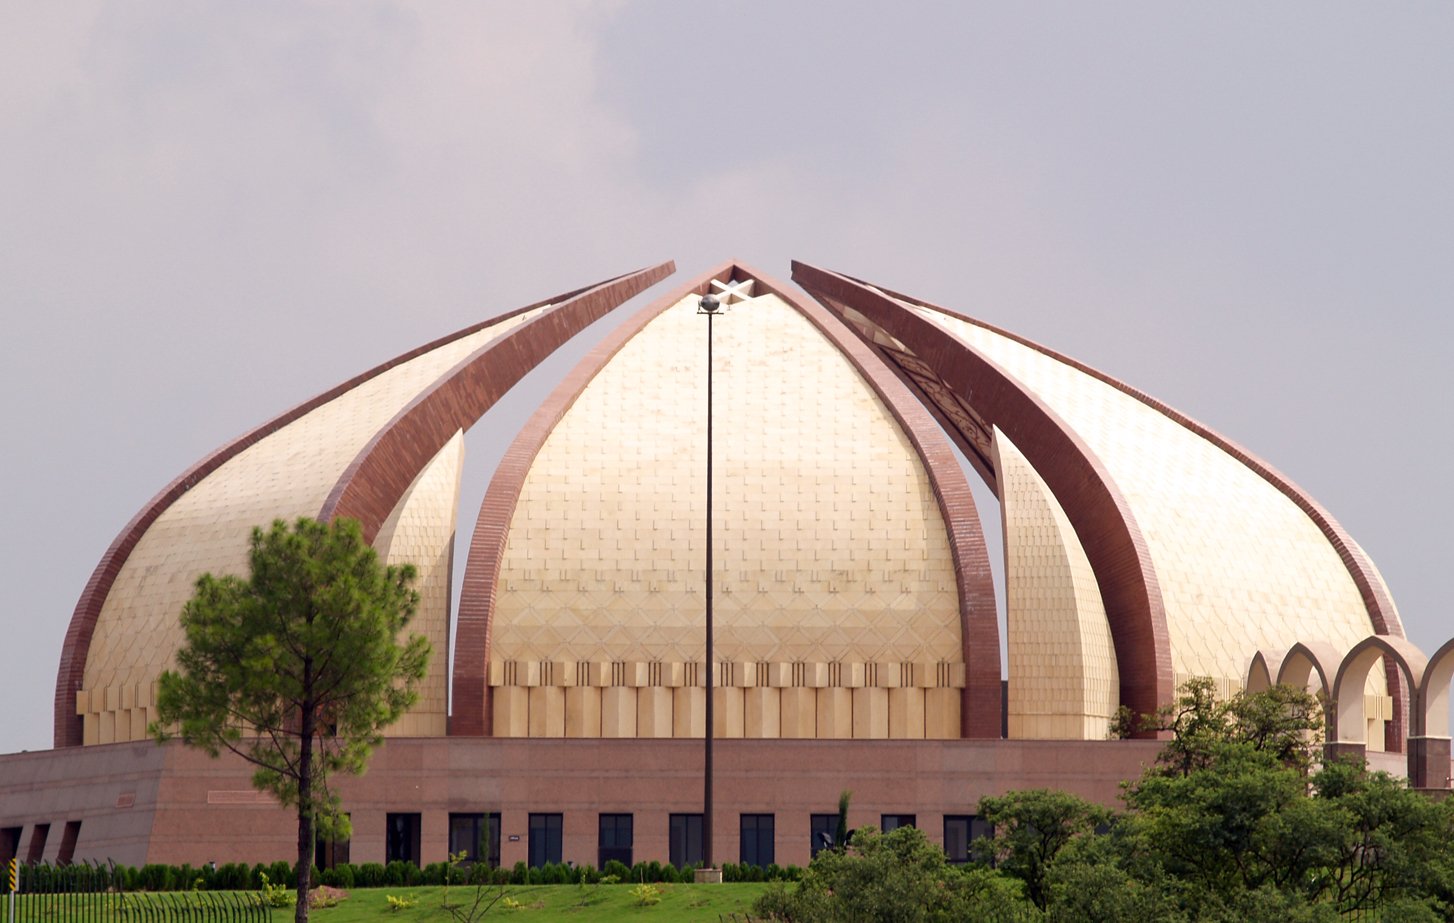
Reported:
(1063, 677)
(360, 449)
(854, 595)
(1203, 553)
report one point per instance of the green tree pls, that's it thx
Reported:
(897, 876)
(1235, 820)
(1031, 828)
(1283, 721)
(296, 669)
(841, 833)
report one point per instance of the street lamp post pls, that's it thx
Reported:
(710, 307)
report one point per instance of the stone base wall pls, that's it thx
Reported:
(139, 802)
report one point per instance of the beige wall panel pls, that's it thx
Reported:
(762, 712)
(799, 712)
(285, 475)
(830, 544)
(583, 711)
(729, 707)
(653, 712)
(1063, 674)
(547, 711)
(1240, 567)
(942, 709)
(870, 713)
(689, 711)
(835, 713)
(906, 713)
(618, 712)
(420, 531)
(512, 711)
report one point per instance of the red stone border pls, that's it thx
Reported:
(1102, 518)
(1381, 611)
(979, 630)
(370, 487)
(77, 645)
(472, 714)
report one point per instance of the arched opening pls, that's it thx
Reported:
(1350, 731)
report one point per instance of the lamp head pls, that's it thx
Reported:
(709, 305)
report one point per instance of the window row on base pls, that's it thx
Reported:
(476, 837)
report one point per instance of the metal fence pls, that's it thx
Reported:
(93, 893)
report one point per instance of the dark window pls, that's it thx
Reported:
(685, 839)
(9, 844)
(38, 835)
(615, 842)
(329, 852)
(895, 821)
(544, 839)
(824, 829)
(960, 830)
(475, 835)
(69, 836)
(401, 843)
(757, 840)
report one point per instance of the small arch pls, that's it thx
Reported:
(1261, 671)
(1306, 658)
(1352, 678)
(1431, 717)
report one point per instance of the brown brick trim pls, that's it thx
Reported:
(471, 714)
(979, 629)
(1102, 518)
(1382, 613)
(77, 645)
(370, 487)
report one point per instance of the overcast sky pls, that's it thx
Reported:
(210, 212)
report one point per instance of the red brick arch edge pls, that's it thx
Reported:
(371, 486)
(1382, 614)
(471, 713)
(980, 716)
(1100, 515)
(77, 645)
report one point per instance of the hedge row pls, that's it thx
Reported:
(238, 876)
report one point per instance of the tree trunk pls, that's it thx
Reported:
(305, 808)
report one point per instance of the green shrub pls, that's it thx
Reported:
(234, 876)
(399, 903)
(155, 877)
(276, 895)
(434, 873)
(402, 873)
(370, 875)
(646, 895)
(618, 868)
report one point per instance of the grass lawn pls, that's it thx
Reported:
(548, 902)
